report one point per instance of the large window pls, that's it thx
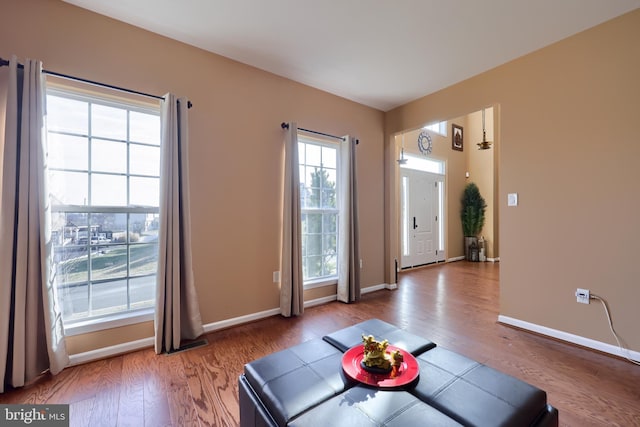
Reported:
(104, 168)
(319, 203)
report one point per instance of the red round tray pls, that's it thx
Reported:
(406, 373)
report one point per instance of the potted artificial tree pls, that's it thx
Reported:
(472, 216)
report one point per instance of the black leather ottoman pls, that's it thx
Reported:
(283, 385)
(364, 406)
(346, 338)
(305, 386)
(477, 395)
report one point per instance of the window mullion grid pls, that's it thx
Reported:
(128, 279)
(321, 170)
(321, 210)
(326, 212)
(89, 215)
(91, 211)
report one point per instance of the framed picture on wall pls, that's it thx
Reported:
(457, 141)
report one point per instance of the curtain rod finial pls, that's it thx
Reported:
(284, 125)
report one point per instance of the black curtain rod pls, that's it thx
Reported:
(4, 63)
(284, 125)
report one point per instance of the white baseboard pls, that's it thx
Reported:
(320, 301)
(378, 287)
(461, 258)
(114, 350)
(575, 339)
(234, 321)
(127, 347)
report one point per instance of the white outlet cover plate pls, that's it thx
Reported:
(512, 199)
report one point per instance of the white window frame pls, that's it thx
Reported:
(425, 164)
(438, 127)
(130, 315)
(330, 143)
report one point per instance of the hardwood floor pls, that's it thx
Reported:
(455, 305)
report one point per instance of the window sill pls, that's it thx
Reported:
(109, 322)
(320, 283)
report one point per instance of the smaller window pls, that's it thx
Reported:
(439, 128)
(318, 160)
(424, 164)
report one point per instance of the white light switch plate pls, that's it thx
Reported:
(512, 199)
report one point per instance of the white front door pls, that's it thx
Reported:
(420, 199)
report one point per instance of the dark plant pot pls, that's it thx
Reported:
(468, 241)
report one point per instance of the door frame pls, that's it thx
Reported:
(438, 222)
(393, 147)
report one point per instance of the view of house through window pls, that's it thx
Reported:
(319, 204)
(104, 169)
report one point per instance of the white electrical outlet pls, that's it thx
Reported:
(276, 277)
(582, 296)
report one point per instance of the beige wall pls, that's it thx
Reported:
(235, 153)
(483, 171)
(567, 117)
(568, 147)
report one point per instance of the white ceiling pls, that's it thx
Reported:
(380, 53)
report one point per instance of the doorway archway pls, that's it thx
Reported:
(462, 166)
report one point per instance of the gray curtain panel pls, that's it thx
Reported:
(177, 315)
(349, 242)
(291, 280)
(31, 332)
